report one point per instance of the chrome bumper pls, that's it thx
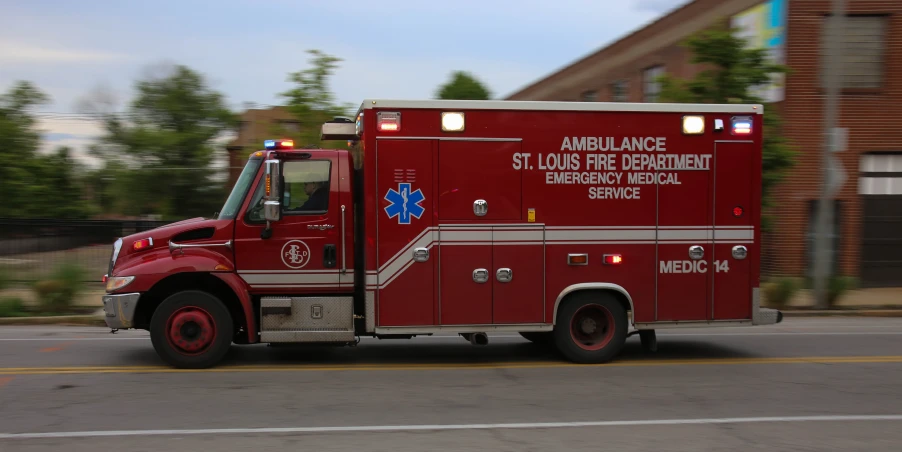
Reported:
(119, 310)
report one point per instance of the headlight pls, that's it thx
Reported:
(118, 282)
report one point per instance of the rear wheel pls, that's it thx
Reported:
(191, 330)
(591, 328)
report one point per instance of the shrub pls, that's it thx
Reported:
(4, 279)
(57, 293)
(837, 286)
(780, 291)
(12, 307)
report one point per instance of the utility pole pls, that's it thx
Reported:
(823, 248)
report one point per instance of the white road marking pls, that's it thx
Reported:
(439, 427)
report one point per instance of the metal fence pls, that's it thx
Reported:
(31, 249)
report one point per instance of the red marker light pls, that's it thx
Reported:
(613, 259)
(737, 211)
(142, 244)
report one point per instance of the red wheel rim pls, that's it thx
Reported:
(592, 327)
(190, 330)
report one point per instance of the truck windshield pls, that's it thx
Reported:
(233, 203)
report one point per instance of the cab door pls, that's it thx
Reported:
(303, 254)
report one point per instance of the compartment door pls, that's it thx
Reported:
(518, 260)
(477, 181)
(733, 228)
(466, 272)
(405, 213)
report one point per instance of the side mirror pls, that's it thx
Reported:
(272, 207)
(273, 180)
(272, 211)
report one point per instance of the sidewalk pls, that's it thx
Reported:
(90, 296)
(883, 298)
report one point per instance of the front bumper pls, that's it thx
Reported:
(119, 310)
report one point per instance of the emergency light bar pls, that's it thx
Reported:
(278, 144)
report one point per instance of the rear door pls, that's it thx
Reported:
(304, 252)
(734, 233)
(684, 242)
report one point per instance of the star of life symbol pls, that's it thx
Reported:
(295, 254)
(404, 203)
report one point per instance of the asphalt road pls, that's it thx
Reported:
(806, 384)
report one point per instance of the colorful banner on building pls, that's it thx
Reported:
(764, 26)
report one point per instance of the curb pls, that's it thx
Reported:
(65, 320)
(845, 313)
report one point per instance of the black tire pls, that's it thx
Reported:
(583, 344)
(199, 315)
(539, 337)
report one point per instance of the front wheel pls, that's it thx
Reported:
(591, 328)
(191, 330)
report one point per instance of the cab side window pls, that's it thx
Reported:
(306, 186)
(305, 191)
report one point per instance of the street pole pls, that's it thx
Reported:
(824, 252)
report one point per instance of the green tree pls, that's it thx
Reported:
(731, 73)
(311, 101)
(463, 86)
(161, 152)
(34, 184)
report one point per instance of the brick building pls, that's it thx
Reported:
(256, 126)
(869, 204)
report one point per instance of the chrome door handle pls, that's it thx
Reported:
(480, 275)
(480, 207)
(421, 254)
(696, 252)
(504, 275)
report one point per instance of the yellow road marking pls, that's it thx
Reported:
(451, 366)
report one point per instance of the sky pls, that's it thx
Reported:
(400, 49)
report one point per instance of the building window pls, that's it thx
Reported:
(289, 125)
(880, 174)
(652, 86)
(620, 91)
(863, 51)
(589, 96)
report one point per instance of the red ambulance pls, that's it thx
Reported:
(572, 224)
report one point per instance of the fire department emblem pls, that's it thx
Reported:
(295, 254)
(404, 204)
